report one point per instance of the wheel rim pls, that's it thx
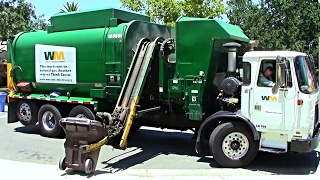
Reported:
(48, 120)
(89, 165)
(62, 164)
(25, 112)
(81, 116)
(235, 145)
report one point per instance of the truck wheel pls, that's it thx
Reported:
(82, 112)
(27, 112)
(49, 117)
(232, 145)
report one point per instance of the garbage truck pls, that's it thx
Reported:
(118, 68)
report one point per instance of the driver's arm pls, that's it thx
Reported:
(266, 81)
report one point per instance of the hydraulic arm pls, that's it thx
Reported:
(120, 120)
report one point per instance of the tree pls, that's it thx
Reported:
(70, 7)
(16, 16)
(39, 23)
(279, 24)
(168, 11)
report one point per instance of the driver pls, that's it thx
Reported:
(265, 78)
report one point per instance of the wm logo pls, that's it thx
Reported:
(269, 98)
(55, 55)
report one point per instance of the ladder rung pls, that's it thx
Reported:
(107, 63)
(113, 74)
(118, 87)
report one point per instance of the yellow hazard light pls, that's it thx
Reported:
(235, 100)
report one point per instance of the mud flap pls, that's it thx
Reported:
(12, 112)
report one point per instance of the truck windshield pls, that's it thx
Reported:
(306, 74)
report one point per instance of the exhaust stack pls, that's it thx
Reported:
(232, 58)
(253, 44)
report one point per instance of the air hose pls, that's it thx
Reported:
(14, 66)
(165, 53)
(162, 48)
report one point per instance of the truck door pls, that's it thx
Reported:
(273, 111)
(288, 98)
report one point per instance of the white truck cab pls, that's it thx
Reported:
(285, 114)
(271, 106)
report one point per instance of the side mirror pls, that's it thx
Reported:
(281, 72)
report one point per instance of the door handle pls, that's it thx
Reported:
(257, 107)
(249, 108)
(283, 89)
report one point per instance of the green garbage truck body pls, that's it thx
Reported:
(119, 68)
(84, 60)
(80, 60)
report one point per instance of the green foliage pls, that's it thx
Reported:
(17, 16)
(39, 23)
(168, 11)
(69, 7)
(279, 24)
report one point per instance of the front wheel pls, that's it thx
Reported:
(232, 145)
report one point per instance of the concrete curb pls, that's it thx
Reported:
(15, 170)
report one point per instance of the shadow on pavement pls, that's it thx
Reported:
(35, 129)
(286, 164)
(28, 129)
(76, 173)
(153, 143)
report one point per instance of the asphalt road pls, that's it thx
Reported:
(148, 150)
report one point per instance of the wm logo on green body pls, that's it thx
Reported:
(54, 55)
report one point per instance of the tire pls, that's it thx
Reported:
(64, 111)
(27, 112)
(50, 127)
(62, 164)
(231, 131)
(82, 112)
(88, 166)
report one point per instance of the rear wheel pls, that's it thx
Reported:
(82, 112)
(27, 112)
(232, 145)
(49, 117)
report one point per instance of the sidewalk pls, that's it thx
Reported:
(23, 170)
